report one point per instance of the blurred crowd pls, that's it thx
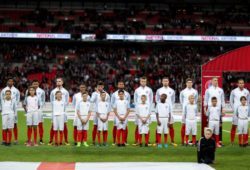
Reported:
(201, 19)
(109, 63)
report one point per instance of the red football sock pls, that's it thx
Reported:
(65, 131)
(9, 138)
(99, 136)
(183, 128)
(119, 136)
(75, 134)
(40, 127)
(140, 138)
(35, 134)
(51, 134)
(79, 135)
(165, 138)
(158, 137)
(61, 137)
(187, 139)
(247, 135)
(85, 135)
(94, 131)
(171, 133)
(56, 136)
(146, 138)
(233, 132)
(136, 134)
(114, 133)
(245, 138)
(15, 132)
(240, 139)
(194, 139)
(217, 139)
(3, 136)
(29, 134)
(105, 136)
(126, 135)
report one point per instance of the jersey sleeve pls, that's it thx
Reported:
(173, 98)
(181, 97)
(157, 96)
(112, 101)
(135, 97)
(43, 98)
(231, 99)
(78, 106)
(206, 98)
(74, 100)
(67, 98)
(17, 96)
(223, 99)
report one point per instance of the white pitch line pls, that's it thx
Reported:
(230, 132)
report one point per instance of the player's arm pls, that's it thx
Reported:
(181, 97)
(79, 115)
(207, 112)
(115, 111)
(128, 110)
(74, 100)
(157, 116)
(128, 98)
(135, 97)
(67, 97)
(173, 98)
(196, 97)
(170, 113)
(206, 98)
(25, 104)
(231, 99)
(51, 97)
(17, 96)
(223, 104)
(112, 100)
(151, 98)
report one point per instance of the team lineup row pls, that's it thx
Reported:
(101, 104)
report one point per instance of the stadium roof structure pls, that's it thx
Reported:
(237, 60)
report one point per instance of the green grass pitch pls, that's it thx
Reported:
(228, 157)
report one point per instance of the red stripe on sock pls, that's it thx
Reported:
(56, 166)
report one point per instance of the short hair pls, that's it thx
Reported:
(59, 78)
(144, 96)
(82, 84)
(214, 98)
(120, 81)
(31, 87)
(214, 78)
(144, 78)
(165, 78)
(102, 92)
(35, 80)
(10, 78)
(189, 79)
(243, 98)
(240, 80)
(100, 83)
(7, 91)
(85, 93)
(206, 129)
(121, 91)
(58, 92)
(165, 95)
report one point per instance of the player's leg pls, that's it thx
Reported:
(15, 129)
(61, 128)
(94, 130)
(4, 129)
(118, 137)
(65, 130)
(29, 135)
(240, 132)
(159, 130)
(194, 132)
(79, 131)
(245, 131)
(35, 135)
(136, 135)
(233, 128)
(114, 131)
(105, 133)
(165, 131)
(171, 131)
(51, 136)
(183, 129)
(126, 135)
(40, 127)
(217, 133)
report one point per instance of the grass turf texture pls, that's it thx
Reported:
(228, 157)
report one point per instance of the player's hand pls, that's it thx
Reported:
(122, 119)
(205, 109)
(159, 123)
